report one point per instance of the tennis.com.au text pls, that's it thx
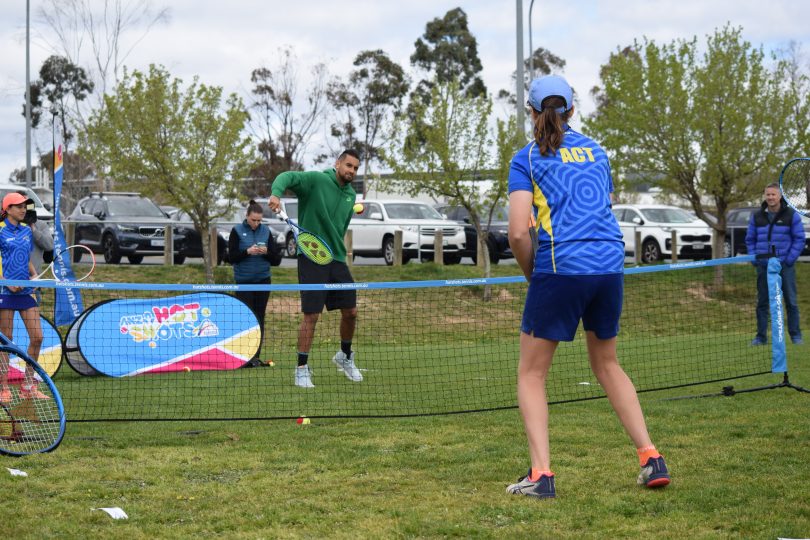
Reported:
(576, 154)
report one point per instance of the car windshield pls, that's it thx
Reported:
(667, 215)
(133, 207)
(411, 211)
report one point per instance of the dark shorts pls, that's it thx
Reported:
(334, 272)
(17, 302)
(556, 303)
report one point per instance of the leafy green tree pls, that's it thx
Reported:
(448, 51)
(454, 155)
(373, 94)
(61, 84)
(542, 62)
(709, 129)
(182, 147)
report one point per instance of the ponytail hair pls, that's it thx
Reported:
(254, 208)
(549, 125)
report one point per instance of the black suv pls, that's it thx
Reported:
(122, 224)
(497, 235)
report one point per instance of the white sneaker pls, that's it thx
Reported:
(303, 377)
(346, 363)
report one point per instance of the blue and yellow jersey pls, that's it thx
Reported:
(576, 230)
(16, 243)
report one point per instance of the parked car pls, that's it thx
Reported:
(373, 231)
(656, 223)
(192, 247)
(497, 233)
(737, 227)
(44, 213)
(122, 224)
(290, 207)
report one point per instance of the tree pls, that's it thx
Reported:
(374, 92)
(710, 130)
(542, 62)
(455, 152)
(176, 145)
(449, 51)
(282, 126)
(60, 84)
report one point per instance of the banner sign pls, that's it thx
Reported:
(203, 331)
(778, 354)
(68, 303)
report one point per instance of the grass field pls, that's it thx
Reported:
(740, 464)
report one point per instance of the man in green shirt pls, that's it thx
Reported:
(325, 204)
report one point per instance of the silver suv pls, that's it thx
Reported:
(656, 223)
(373, 231)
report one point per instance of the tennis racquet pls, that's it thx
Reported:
(311, 245)
(70, 253)
(794, 181)
(32, 420)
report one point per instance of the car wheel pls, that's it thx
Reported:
(650, 251)
(110, 247)
(452, 259)
(135, 259)
(179, 259)
(291, 247)
(493, 251)
(388, 250)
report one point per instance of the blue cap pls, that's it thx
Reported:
(550, 85)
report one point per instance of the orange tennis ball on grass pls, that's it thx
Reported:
(186, 369)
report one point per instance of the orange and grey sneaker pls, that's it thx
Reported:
(5, 394)
(543, 488)
(654, 473)
(31, 392)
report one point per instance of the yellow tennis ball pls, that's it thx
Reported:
(306, 421)
(358, 208)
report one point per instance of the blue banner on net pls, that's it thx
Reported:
(778, 355)
(68, 304)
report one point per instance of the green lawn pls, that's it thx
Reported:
(739, 464)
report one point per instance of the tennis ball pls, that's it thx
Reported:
(302, 420)
(186, 369)
(358, 208)
(271, 363)
(306, 421)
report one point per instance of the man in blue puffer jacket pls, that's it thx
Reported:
(776, 229)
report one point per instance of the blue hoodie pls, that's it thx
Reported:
(784, 235)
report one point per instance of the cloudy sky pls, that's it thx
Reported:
(222, 42)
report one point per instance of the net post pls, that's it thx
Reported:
(637, 250)
(168, 246)
(397, 248)
(674, 245)
(70, 233)
(348, 241)
(438, 247)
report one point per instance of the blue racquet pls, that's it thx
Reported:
(32, 417)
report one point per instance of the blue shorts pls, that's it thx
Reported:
(556, 303)
(17, 302)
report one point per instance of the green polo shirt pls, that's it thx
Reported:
(324, 206)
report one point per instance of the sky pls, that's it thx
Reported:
(222, 42)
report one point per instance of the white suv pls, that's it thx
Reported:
(373, 231)
(656, 223)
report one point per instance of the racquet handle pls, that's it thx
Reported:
(282, 214)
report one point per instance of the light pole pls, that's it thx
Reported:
(28, 94)
(521, 117)
(531, 49)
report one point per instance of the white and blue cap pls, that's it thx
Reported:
(550, 85)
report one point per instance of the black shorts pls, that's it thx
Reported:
(334, 272)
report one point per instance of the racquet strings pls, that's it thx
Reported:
(796, 184)
(314, 249)
(29, 424)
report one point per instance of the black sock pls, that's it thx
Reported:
(302, 358)
(346, 347)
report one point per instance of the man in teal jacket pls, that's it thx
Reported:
(325, 204)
